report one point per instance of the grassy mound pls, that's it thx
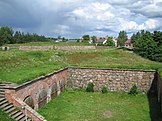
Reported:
(51, 43)
(20, 66)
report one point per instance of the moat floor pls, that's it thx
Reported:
(84, 106)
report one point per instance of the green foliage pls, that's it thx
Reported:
(104, 90)
(122, 38)
(6, 35)
(136, 36)
(70, 84)
(90, 87)
(93, 39)
(149, 45)
(100, 44)
(110, 42)
(133, 90)
(86, 37)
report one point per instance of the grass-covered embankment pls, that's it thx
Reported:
(83, 106)
(20, 66)
(52, 43)
(4, 116)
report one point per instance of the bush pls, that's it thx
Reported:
(90, 87)
(133, 90)
(104, 90)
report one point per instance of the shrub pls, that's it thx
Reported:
(133, 90)
(70, 84)
(104, 90)
(90, 87)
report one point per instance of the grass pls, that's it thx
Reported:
(4, 116)
(110, 58)
(51, 43)
(83, 106)
(20, 66)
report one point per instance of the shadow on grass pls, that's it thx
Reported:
(154, 105)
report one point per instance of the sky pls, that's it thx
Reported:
(74, 18)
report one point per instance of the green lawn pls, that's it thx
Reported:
(20, 66)
(51, 43)
(4, 116)
(83, 106)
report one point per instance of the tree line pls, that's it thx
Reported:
(146, 44)
(8, 36)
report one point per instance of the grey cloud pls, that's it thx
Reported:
(56, 17)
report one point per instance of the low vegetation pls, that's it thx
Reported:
(83, 106)
(90, 87)
(20, 66)
(104, 90)
(51, 43)
(4, 116)
(133, 90)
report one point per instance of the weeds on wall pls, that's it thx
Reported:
(104, 90)
(90, 87)
(133, 90)
(70, 84)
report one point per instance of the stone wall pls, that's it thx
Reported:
(74, 47)
(113, 79)
(34, 87)
(35, 47)
(43, 89)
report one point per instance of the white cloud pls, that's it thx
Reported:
(94, 11)
(150, 24)
(76, 17)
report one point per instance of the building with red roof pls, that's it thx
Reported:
(128, 44)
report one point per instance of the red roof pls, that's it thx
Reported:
(128, 41)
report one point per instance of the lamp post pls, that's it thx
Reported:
(24, 108)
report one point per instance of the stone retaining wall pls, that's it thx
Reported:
(113, 79)
(43, 89)
(34, 87)
(74, 47)
(56, 47)
(35, 47)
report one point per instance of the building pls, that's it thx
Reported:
(128, 44)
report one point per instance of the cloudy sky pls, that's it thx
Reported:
(73, 18)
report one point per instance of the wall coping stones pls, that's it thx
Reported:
(116, 69)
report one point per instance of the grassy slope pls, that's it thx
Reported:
(4, 116)
(20, 66)
(71, 106)
(51, 43)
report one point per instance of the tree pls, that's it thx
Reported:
(122, 38)
(157, 36)
(110, 42)
(6, 35)
(93, 39)
(146, 46)
(17, 37)
(86, 37)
